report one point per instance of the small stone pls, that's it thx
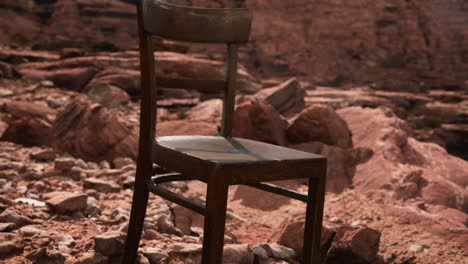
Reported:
(416, 248)
(29, 201)
(109, 244)
(64, 164)
(155, 255)
(44, 155)
(7, 227)
(81, 164)
(335, 220)
(47, 83)
(68, 202)
(122, 162)
(30, 230)
(10, 216)
(165, 224)
(93, 259)
(10, 243)
(101, 185)
(186, 248)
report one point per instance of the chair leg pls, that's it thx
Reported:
(137, 218)
(313, 225)
(215, 221)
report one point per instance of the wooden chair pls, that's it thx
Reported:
(219, 161)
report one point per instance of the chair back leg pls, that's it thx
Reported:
(137, 215)
(215, 220)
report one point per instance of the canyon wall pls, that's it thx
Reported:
(328, 42)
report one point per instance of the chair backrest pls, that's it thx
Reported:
(203, 25)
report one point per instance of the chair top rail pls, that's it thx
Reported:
(195, 24)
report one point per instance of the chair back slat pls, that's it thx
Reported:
(204, 25)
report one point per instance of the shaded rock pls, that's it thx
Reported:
(122, 162)
(29, 109)
(8, 71)
(182, 127)
(74, 79)
(29, 132)
(258, 120)
(341, 163)
(291, 235)
(64, 164)
(10, 243)
(43, 155)
(7, 227)
(237, 254)
(319, 123)
(109, 244)
(209, 111)
(127, 80)
(10, 216)
(287, 98)
(274, 250)
(75, 132)
(93, 259)
(355, 246)
(155, 255)
(100, 185)
(165, 225)
(107, 95)
(67, 202)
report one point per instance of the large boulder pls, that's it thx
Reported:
(341, 163)
(319, 123)
(287, 98)
(90, 132)
(258, 120)
(407, 167)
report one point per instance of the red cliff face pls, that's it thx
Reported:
(329, 42)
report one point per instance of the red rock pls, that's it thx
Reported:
(29, 131)
(291, 235)
(439, 177)
(182, 127)
(29, 109)
(10, 243)
(287, 98)
(67, 202)
(319, 123)
(90, 132)
(101, 185)
(127, 80)
(109, 244)
(352, 245)
(258, 120)
(341, 163)
(74, 79)
(209, 111)
(107, 95)
(8, 71)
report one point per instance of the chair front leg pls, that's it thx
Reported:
(313, 222)
(215, 220)
(137, 216)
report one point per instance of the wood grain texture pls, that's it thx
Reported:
(204, 25)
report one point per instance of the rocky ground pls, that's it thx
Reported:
(68, 138)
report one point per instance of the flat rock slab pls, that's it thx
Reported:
(68, 202)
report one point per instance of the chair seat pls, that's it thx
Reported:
(240, 161)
